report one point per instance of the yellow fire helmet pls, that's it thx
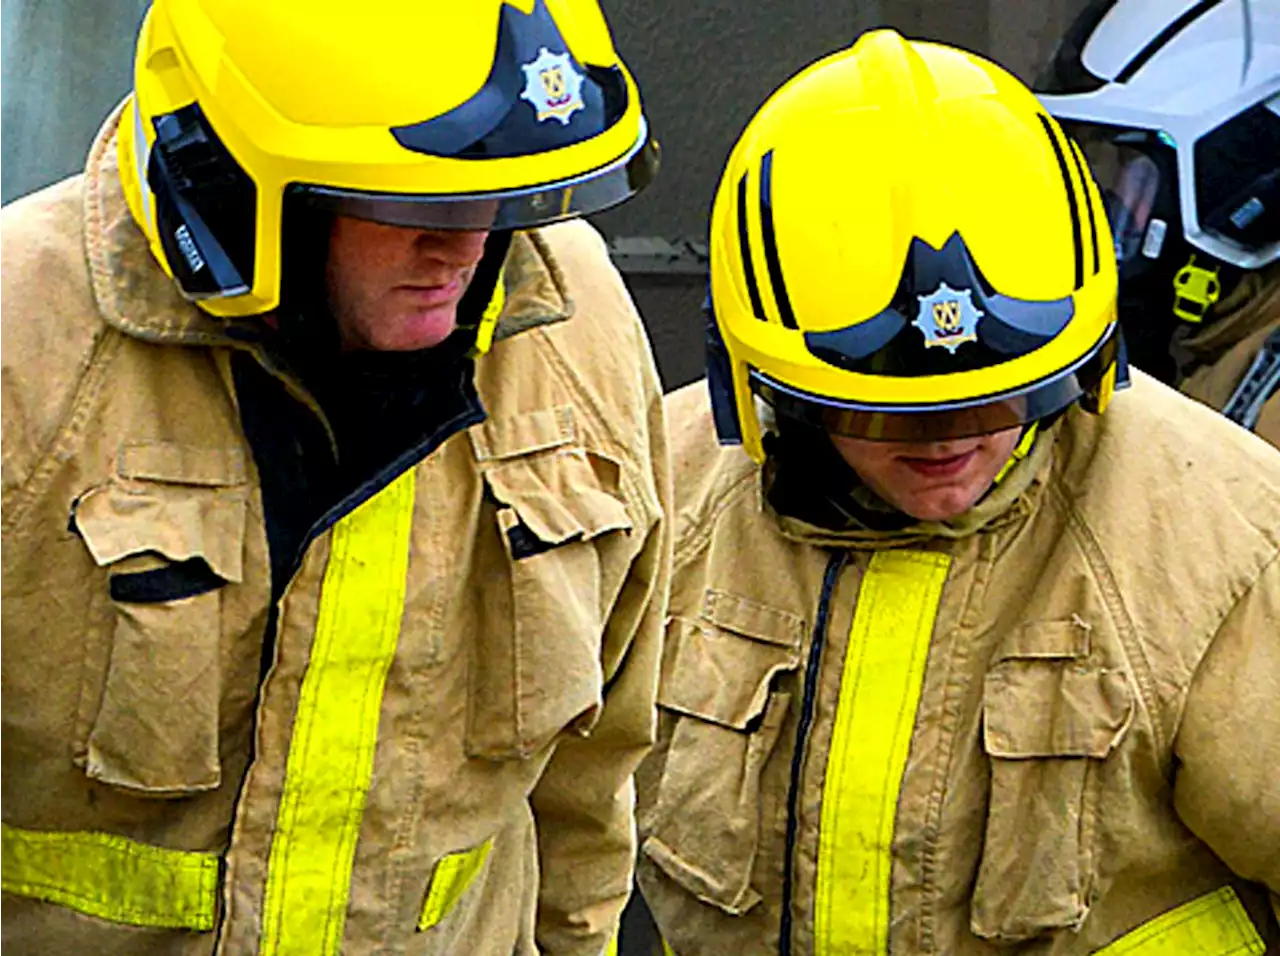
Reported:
(480, 114)
(905, 246)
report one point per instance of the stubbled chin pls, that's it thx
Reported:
(415, 330)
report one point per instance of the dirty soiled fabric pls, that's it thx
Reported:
(1047, 726)
(421, 737)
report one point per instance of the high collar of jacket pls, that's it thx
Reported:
(136, 296)
(1010, 501)
(1253, 304)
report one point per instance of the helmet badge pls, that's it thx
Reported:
(552, 86)
(947, 317)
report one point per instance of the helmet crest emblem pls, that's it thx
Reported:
(552, 86)
(948, 317)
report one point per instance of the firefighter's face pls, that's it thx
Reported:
(397, 289)
(930, 480)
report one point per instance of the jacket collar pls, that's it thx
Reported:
(135, 295)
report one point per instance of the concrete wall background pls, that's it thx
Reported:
(63, 65)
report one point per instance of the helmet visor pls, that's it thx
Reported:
(522, 208)
(941, 422)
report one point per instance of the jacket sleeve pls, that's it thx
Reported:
(584, 803)
(1226, 788)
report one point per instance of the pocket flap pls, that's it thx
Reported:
(1057, 640)
(718, 675)
(180, 522)
(1054, 708)
(557, 496)
(515, 435)
(733, 900)
(744, 616)
(181, 464)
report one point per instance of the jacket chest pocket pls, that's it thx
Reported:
(169, 529)
(1051, 717)
(535, 667)
(704, 828)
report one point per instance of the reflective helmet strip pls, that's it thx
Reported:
(879, 692)
(330, 763)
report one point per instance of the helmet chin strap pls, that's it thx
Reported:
(724, 410)
(481, 304)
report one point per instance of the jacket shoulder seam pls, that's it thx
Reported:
(601, 424)
(688, 546)
(67, 430)
(1112, 597)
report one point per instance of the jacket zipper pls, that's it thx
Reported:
(813, 667)
(410, 459)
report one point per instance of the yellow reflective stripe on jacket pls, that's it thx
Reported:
(1211, 925)
(335, 731)
(110, 877)
(879, 691)
(454, 874)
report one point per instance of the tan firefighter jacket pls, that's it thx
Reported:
(436, 754)
(1242, 342)
(1049, 726)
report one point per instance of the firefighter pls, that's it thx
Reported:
(1179, 114)
(968, 651)
(334, 549)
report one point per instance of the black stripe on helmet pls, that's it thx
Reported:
(744, 249)
(1072, 201)
(785, 312)
(1085, 175)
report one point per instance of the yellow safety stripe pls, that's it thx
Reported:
(1215, 924)
(110, 877)
(335, 731)
(454, 874)
(879, 692)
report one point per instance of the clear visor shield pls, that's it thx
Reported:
(521, 208)
(1086, 380)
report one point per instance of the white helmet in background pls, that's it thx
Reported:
(1177, 104)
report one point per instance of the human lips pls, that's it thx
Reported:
(939, 466)
(430, 295)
